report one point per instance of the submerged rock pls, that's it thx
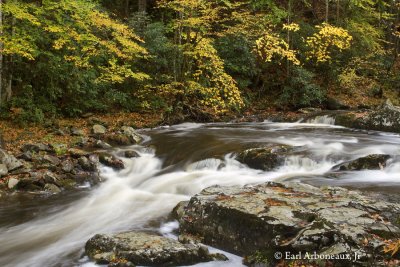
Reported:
(267, 158)
(370, 162)
(291, 217)
(138, 248)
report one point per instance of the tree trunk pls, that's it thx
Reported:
(142, 6)
(326, 11)
(8, 91)
(1, 51)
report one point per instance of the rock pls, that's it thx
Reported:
(131, 154)
(111, 161)
(98, 129)
(52, 160)
(67, 166)
(9, 160)
(30, 184)
(12, 183)
(385, 118)
(102, 144)
(52, 188)
(3, 170)
(146, 249)
(178, 211)
(309, 110)
(370, 162)
(267, 158)
(291, 217)
(76, 152)
(77, 132)
(131, 133)
(36, 148)
(118, 139)
(86, 164)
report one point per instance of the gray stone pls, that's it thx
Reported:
(12, 183)
(76, 152)
(36, 147)
(99, 129)
(9, 160)
(67, 166)
(77, 132)
(130, 132)
(102, 144)
(86, 164)
(52, 188)
(146, 249)
(51, 159)
(3, 170)
(293, 217)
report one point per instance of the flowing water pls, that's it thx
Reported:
(175, 163)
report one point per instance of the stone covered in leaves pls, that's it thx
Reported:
(293, 217)
(138, 248)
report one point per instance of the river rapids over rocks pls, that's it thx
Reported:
(176, 163)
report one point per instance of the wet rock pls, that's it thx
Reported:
(29, 184)
(146, 249)
(52, 188)
(12, 183)
(280, 217)
(118, 139)
(36, 148)
(9, 160)
(111, 161)
(370, 162)
(98, 129)
(267, 158)
(178, 211)
(3, 170)
(131, 154)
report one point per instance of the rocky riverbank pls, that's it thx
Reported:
(53, 168)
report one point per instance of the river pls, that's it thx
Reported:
(175, 163)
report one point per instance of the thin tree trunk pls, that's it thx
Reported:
(337, 11)
(142, 7)
(326, 11)
(288, 36)
(1, 51)
(8, 92)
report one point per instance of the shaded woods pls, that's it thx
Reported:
(194, 59)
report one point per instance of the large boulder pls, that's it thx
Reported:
(9, 161)
(277, 218)
(370, 162)
(384, 118)
(125, 137)
(138, 248)
(266, 158)
(111, 161)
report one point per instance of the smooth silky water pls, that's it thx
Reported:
(175, 163)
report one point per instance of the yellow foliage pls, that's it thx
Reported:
(293, 27)
(270, 45)
(327, 37)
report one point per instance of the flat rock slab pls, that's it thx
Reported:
(139, 248)
(291, 217)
